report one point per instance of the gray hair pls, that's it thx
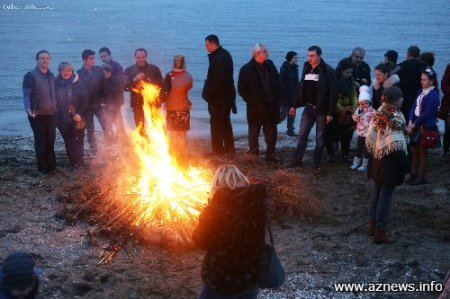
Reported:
(65, 65)
(257, 48)
(359, 49)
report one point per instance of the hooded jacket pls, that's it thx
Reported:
(231, 229)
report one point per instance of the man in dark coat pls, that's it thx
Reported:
(40, 105)
(361, 70)
(318, 96)
(409, 72)
(144, 71)
(220, 93)
(259, 87)
(92, 75)
(289, 83)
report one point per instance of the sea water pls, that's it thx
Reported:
(170, 27)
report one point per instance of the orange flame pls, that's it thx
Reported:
(166, 196)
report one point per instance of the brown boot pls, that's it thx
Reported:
(381, 237)
(371, 230)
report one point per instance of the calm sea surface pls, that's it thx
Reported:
(170, 27)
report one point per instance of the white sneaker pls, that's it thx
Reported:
(356, 163)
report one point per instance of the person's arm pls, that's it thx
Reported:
(284, 93)
(27, 87)
(243, 88)
(430, 105)
(445, 82)
(332, 93)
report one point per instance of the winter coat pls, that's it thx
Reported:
(113, 92)
(362, 119)
(377, 89)
(93, 80)
(409, 72)
(231, 229)
(180, 84)
(390, 170)
(259, 109)
(72, 97)
(444, 109)
(289, 82)
(428, 110)
(219, 84)
(152, 75)
(326, 95)
(361, 72)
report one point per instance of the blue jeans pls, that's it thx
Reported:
(310, 117)
(208, 293)
(284, 112)
(379, 208)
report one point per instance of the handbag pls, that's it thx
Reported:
(429, 138)
(274, 275)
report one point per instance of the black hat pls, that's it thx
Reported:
(391, 55)
(18, 271)
(289, 55)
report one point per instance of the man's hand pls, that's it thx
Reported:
(76, 118)
(329, 119)
(292, 112)
(139, 77)
(31, 113)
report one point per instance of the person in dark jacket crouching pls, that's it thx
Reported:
(19, 277)
(72, 100)
(388, 163)
(231, 229)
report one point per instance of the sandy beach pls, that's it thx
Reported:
(318, 218)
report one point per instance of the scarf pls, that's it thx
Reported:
(424, 93)
(386, 132)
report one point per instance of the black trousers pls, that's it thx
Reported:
(446, 142)
(44, 132)
(222, 140)
(102, 116)
(270, 135)
(73, 141)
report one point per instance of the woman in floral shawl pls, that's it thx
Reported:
(388, 164)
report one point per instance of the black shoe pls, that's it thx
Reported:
(293, 163)
(317, 166)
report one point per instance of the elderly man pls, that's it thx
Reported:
(40, 105)
(140, 71)
(361, 70)
(318, 96)
(259, 87)
(220, 93)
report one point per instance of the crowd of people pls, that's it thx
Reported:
(395, 118)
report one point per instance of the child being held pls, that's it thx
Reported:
(362, 117)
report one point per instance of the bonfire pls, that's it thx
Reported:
(148, 196)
